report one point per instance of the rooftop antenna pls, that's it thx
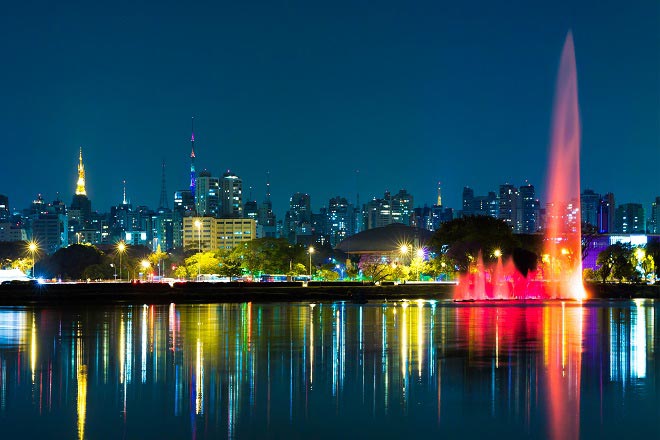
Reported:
(163, 204)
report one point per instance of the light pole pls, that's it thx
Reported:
(198, 225)
(32, 247)
(311, 251)
(121, 248)
(420, 257)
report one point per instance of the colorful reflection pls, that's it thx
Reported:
(541, 370)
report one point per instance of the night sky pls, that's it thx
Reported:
(410, 93)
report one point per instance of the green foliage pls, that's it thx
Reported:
(70, 262)
(202, 263)
(98, 272)
(270, 255)
(298, 269)
(462, 239)
(231, 264)
(374, 268)
(418, 267)
(617, 262)
(328, 275)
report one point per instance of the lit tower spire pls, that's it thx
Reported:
(192, 160)
(439, 194)
(80, 186)
(124, 201)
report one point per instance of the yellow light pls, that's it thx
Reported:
(497, 253)
(420, 253)
(403, 249)
(640, 254)
(145, 264)
(121, 247)
(32, 246)
(198, 224)
(311, 249)
(564, 251)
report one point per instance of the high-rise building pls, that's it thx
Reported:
(339, 220)
(397, 208)
(232, 195)
(654, 227)
(298, 220)
(184, 206)
(4, 209)
(266, 218)
(589, 204)
(529, 211)
(606, 213)
(630, 219)
(468, 202)
(508, 204)
(207, 233)
(208, 195)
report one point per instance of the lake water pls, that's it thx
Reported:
(398, 369)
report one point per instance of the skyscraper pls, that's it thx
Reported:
(654, 221)
(232, 195)
(630, 219)
(508, 201)
(530, 206)
(606, 211)
(589, 203)
(207, 201)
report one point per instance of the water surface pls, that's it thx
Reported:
(429, 369)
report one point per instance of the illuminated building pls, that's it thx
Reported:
(4, 208)
(232, 196)
(266, 217)
(654, 226)
(589, 203)
(208, 233)
(207, 200)
(630, 219)
(340, 216)
(529, 223)
(298, 220)
(397, 208)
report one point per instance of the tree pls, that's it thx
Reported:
(374, 267)
(328, 275)
(156, 257)
(653, 251)
(231, 264)
(203, 263)
(617, 261)
(70, 262)
(418, 267)
(462, 239)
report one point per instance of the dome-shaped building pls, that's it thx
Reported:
(388, 241)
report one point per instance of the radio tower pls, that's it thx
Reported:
(163, 205)
(192, 160)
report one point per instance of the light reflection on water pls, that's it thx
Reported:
(541, 370)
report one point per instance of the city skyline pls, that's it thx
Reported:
(318, 93)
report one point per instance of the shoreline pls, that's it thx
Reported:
(195, 292)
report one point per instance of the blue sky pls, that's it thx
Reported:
(409, 93)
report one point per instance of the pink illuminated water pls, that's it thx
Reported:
(560, 273)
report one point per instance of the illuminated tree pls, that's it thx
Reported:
(374, 268)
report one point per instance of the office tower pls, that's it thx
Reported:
(589, 205)
(630, 219)
(232, 195)
(207, 201)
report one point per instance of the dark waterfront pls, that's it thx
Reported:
(395, 369)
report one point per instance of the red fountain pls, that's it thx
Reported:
(560, 275)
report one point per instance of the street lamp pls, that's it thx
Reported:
(32, 247)
(497, 253)
(311, 251)
(121, 248)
